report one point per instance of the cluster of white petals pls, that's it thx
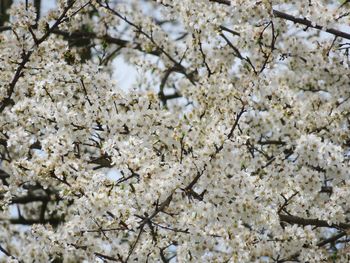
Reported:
(231, 146)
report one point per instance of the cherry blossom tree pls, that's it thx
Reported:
(231, 146)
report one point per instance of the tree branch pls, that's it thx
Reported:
(25, 59)
(302, 21)
(311, 222)
(3, 250)
(308, 23)
(23, 221)
(331, 239)
(30, 198)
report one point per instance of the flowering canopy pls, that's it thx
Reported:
(232, 145)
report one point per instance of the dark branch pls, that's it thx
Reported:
(308, 23)
(331, 239)
(302, 21)
(311, 222)
(23, 221)
(26, 56)
(3, 250)
(30, 198)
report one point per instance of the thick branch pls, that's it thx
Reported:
(106, 38)
(308, 23)
(302, 21)
(24, 221)
(224, 2)
(311, 222)
(31, 198)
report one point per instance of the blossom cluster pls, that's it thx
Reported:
(231, 146)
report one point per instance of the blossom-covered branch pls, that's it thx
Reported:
(302, 21)
(187, 131)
